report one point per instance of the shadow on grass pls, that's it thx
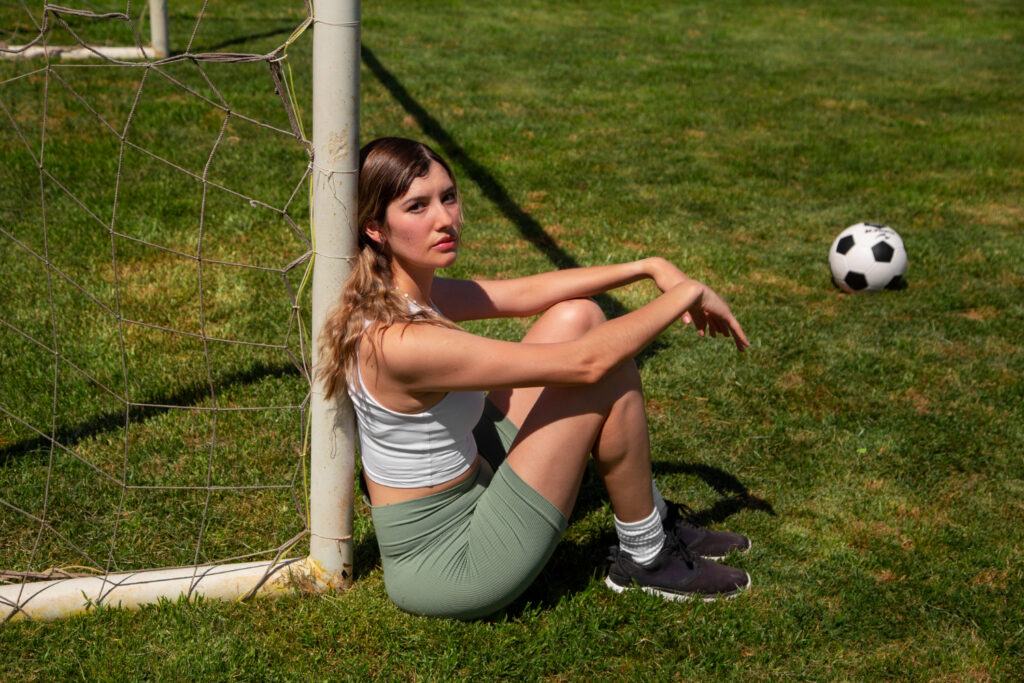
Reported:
(733, 496)
(241, 40)
(365, 555)
(195, 394)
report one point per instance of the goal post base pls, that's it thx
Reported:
(62, 598)
(78, 53)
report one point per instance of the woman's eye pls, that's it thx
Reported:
(450, 197)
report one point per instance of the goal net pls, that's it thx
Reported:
(157, 253)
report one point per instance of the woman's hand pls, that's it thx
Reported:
(711, 314)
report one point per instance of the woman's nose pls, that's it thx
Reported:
(443, 217)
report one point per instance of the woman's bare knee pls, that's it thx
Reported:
(566, 320)
(581, 314)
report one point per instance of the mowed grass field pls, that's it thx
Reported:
(872, 446)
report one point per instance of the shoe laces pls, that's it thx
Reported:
(677, 547)
(674, 545)
(684, 514)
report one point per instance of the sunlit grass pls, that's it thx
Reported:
(870, 445)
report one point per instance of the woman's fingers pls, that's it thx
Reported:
(714, 317)
(699, 320)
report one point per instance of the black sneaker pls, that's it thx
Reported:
(676, 574)
(713, 545)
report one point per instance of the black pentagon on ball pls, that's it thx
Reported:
(855, 281)
(845, 244)
(883, 252)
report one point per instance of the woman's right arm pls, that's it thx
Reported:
(429, 358)
(531, 294)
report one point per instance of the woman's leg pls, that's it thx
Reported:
(620, 445)
(561, 426)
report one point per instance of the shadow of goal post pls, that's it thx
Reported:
(328, 567)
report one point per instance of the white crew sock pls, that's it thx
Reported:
(659, 502)
(641, 540)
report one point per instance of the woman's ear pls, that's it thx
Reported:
(374, 232)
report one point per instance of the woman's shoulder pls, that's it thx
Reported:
(405, 342)
(460, 300)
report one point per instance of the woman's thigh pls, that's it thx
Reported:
(564, 321)
(559, 426)
(469, 551)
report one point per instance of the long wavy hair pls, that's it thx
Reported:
(387, 167)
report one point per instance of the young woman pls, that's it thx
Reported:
(470, 495)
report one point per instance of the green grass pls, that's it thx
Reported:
(872, 446)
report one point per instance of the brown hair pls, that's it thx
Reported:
(387, 167)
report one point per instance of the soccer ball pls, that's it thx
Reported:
(868, 257)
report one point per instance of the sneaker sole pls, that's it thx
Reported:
(678, 597)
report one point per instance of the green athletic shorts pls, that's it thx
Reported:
(471, 550)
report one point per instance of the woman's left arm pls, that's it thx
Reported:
(525, 296)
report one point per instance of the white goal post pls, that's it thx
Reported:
(328, 566)
(336, 55)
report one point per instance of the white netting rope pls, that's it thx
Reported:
(28, 510)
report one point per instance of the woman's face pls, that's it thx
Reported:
(423, 224)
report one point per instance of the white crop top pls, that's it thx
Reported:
(408, 450)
